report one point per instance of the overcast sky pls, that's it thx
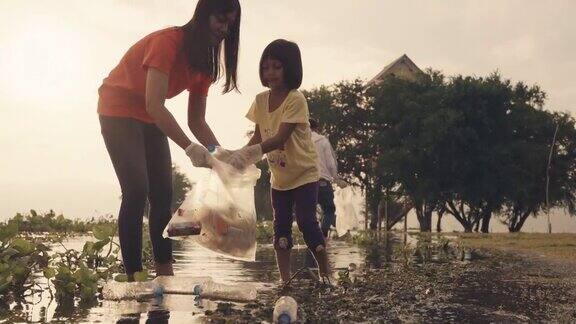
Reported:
(54, 55)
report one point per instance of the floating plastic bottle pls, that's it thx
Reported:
(214, 290)
(183, 285)
(285, 310)
(114, 290)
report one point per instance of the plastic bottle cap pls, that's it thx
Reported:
(211, 148)
(159, 291)
(284, 319)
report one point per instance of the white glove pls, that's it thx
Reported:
(223, 154)
(246, 156)
(199, 155)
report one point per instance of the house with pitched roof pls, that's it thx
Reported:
(403, 68)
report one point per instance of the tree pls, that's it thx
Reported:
(262, 192)
(408, 127)
(345, 120)
(478, 149)
(392, 209)
(181, 185)
(470, 147)
(533, 134)
(262, 198)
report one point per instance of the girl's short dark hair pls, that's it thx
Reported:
(288, 53)
(202, 55)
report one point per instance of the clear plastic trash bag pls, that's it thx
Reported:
(347, 216)
(219, 213)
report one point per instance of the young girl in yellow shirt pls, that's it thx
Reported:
(283, 133)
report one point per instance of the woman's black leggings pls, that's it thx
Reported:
(141, 157)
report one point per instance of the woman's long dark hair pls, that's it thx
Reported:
(202, 55)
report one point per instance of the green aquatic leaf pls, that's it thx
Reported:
(88, 248)
(5, 283)
(64, 272)
(121, 277)
(23, 246)
(100, 244)
(49, 273)
(112, 259)
(8, 254)
(70, 287)
(4, 268)
(8, 231)
(83, 274)
(20, 272)
(87, 292)
(104, 231)
(141, 275)
(99, 233)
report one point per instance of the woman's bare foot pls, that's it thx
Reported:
(164, 269)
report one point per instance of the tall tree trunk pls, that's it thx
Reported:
(424, 217)
(393, 219)
(517, 226)
(373, 215)
(458, 213)
(486, 221)
(426, 222)
(374, 221)
(439, 222)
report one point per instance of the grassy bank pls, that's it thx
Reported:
(555, 246)
(49, 222)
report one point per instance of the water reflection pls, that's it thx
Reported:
(378, 250)
(191, 260)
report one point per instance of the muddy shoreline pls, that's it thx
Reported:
(496, 286)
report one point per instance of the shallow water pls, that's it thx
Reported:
(191, 260)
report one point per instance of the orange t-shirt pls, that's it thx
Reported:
(123, 92)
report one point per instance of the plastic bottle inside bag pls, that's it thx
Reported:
(221, 221)
(183, 222)
(184, 229)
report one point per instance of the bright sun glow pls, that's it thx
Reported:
(41, 61)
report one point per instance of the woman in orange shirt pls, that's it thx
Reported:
(135, 123)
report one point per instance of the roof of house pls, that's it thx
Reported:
(403, 63)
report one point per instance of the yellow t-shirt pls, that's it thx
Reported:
(295, 164)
